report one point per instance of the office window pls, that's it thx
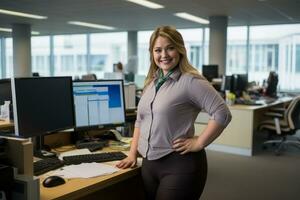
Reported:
(8, 58)
(107, 49)
(67, 50)
(40, 55)
(274, 47)
(143, 52)
(1, 58)
(236, 62)
(298, 58)
(196, 55)
(193, 39)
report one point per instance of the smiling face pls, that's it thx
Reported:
(165, 55)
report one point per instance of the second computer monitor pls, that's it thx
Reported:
(99, 103)
(239, 83)
(210, 72)
(42, 105)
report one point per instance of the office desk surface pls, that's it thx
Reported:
(239, 135)
(80, 188)
(108, 187)
(279, 101)
(5, 124)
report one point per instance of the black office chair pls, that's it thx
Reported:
(284, 122)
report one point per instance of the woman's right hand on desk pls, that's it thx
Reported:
(129, 161)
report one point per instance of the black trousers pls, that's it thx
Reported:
(175, 176)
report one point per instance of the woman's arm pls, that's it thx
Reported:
(209, 134)
(130, 161)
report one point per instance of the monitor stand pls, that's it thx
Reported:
(41, 150)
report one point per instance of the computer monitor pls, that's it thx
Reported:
(42, 105)
(227, 83)
(272, 82)
(5, 93)
(99, 104)
(210, 72)
(240, 83)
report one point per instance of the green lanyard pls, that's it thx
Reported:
(161, 79)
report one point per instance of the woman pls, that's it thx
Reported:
(174, 162)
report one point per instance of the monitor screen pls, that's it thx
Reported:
(272, 82)
(5, 94)
(210, 72)
(99, 103)
(42, 105)
(226, 83)
(240, 83)
(5, 91)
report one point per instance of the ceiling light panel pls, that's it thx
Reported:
(147, 4)
(21, 14)
(90, 25)
(9, 30)
(190, 17)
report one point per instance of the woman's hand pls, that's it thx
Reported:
(185, 145)
(129, 161)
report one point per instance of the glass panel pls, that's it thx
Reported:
(40, 50)
(298, 58)
(9, 58)
(67, 50)
(143, 52)
(206, 45)
(194, 45)
(107, 49)
(274, 48)
(1, 66)
(236, 50)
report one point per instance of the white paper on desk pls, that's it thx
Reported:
(74, 152)
(85, 170)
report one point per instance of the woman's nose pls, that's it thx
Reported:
(164, 53)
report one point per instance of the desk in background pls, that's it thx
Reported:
(239, 135)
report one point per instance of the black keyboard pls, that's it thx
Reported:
(45, 165)
(92, 146)
(98, 157)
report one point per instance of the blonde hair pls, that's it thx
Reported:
(176, 39)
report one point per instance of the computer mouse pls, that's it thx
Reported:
(53, 181)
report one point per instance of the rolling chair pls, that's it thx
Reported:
(284, 122)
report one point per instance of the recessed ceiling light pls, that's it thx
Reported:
(10, 30)
(35, 33)
(190, 17)
(20, 14)
(5, 30)
(98, 26)
(147, 4)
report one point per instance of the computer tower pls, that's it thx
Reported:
(7, 181)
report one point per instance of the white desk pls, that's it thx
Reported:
(238, 137)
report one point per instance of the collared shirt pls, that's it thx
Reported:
(170, 113)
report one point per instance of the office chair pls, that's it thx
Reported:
(89, 77)
(284, 122)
